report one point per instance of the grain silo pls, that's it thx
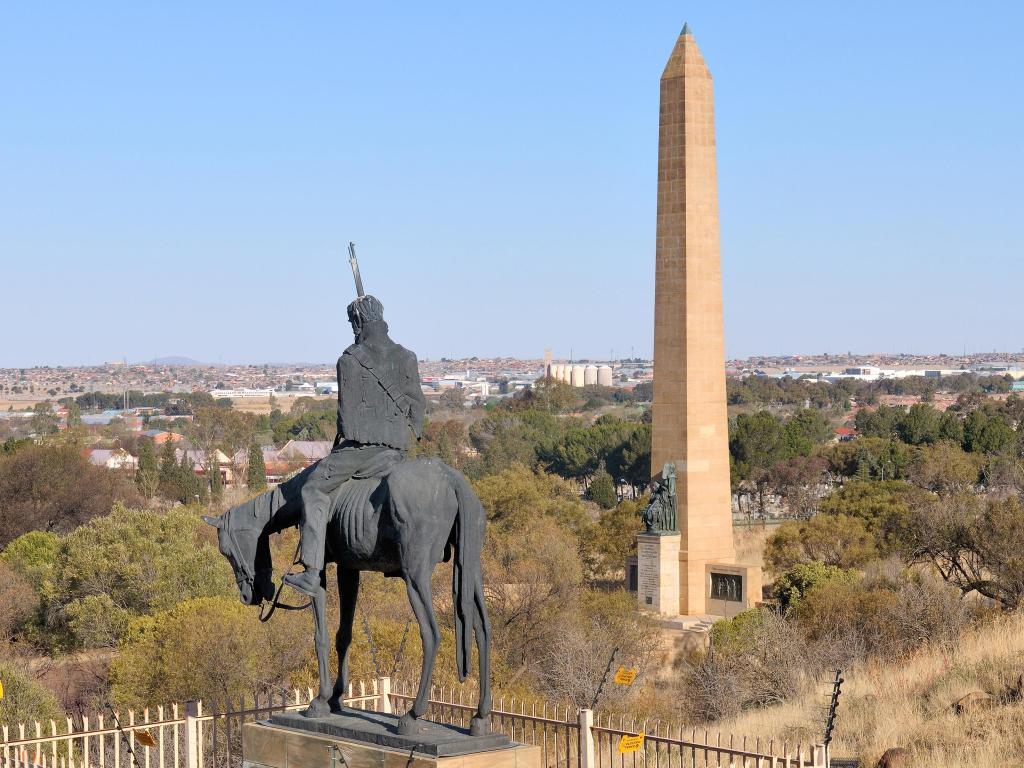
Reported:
(577, 375)
(604, 375)
(590, 375)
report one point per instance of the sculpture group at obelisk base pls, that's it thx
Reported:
(685, 560)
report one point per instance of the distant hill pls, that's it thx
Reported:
(174, 360)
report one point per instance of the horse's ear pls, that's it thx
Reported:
(214, 521)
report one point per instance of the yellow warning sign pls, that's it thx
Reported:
(145, 738)
(625, 676)
(630, 743)
(1, 690)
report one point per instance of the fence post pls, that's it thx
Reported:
(384, 695)
(192, 745)
(586, 723)
(821, 756)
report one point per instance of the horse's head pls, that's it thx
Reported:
(247, 547)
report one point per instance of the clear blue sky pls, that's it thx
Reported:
(182, 178)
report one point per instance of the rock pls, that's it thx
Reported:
(975, 701)
(894, 757)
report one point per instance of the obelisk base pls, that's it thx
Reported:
(657, 557)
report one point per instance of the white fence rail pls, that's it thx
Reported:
(198, 735)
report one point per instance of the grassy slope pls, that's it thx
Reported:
(909, 704)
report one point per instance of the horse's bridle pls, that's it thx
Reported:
(248, 575)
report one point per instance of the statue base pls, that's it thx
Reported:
(657, 557)
(363, 739)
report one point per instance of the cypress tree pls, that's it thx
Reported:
(256, 474)
(147, 475)
(602, 489)
(167, 479)
(216, 483)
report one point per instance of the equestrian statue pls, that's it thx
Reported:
(366, 507)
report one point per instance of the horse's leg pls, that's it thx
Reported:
(348, 593)
(417, 583)
(319, 707)
(480, 725)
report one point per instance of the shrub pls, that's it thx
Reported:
(129, 563)
(24, 699)
(210, 647)
(838, 540)
(795, 584)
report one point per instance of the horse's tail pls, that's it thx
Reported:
(467, 580)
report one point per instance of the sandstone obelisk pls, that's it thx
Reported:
(690, 421)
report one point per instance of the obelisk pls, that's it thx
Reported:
(690, 421)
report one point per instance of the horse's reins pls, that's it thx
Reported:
(276, 603)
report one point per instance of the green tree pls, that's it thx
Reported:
(216, 481)
(631, 461)
(944, 468)
(127, 564)
(607, 544)
(878, 422)
(147, 476)
(167, 482)
(512, 435)
(574, 457)
(756, 443)
(884, 507)
(256, 472)
(44, 420)
(602, 490)
(986, 432)
(920, 426)
(33, 555)
(74, 418)
(838, 540)
(951, 427)
(804, 431)
(516, 497)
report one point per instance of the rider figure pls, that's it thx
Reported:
(379, 401)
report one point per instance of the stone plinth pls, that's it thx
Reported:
(731, 588)
(657, 557)
(265, 745)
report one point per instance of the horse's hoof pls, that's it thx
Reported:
(317, 708)
(480, 726)
(409, 725)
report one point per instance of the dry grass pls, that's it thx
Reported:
(749, 542)
(261, 405)
(19, 405)
(910, 704)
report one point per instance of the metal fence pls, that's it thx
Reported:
(198, 735)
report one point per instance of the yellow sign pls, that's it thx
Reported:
(145, 738)
(1, 690)
(625, 676)
(630, 743)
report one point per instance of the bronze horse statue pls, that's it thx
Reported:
(402, 524)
